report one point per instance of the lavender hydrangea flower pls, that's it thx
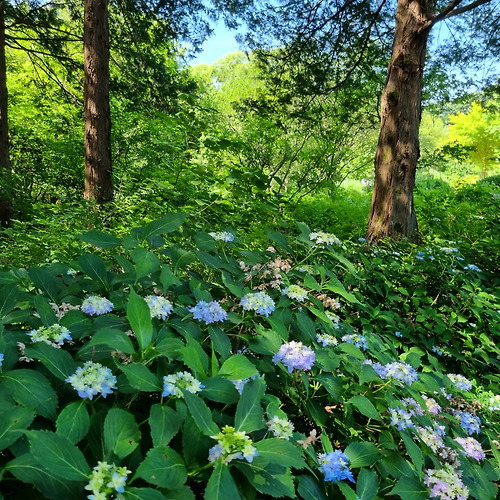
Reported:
(173, 384)
(91, 379)
(159, 307)
(295, 292)
(259, 302)
(209, 312)
(472, 448)
(222, 236)
(54, 335)
(295, 355)
(399, 371)
(460, 382)
(95, 305)
(335, 466)
(445, 484)
(432, 437)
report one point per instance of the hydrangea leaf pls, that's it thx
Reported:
(221, 485)
(163, 467)
(220, 341)
(238, 366)
(347, 491)
(145, 262)
(410, 489)
(115, 339)
(44, 310)
(95, 267)
(8, 299)
(121, 433)
(100, 239)
(167, 224)
(362, 454)
(220, 389)
(145, 494)
(309, 489)
(271, 479)
(365, 406)
(249, 415)
(57, 361)
(139, 317)
(73, 421)
(45, 282)
(367, 484)
(164, 423)
(280, 452)
(201, 414)
(139, 377)
(12, 422)
(168, 278)
(414, 451)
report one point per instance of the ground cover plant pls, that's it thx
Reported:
(309, 368)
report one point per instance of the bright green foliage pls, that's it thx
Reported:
(431, 311)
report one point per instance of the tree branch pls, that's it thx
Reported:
(450, 11)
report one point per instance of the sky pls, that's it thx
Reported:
(220, 44)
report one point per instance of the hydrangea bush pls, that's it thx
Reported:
(210, 371)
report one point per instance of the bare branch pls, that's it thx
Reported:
(450, 11)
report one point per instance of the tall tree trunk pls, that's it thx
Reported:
(98, 173)
(392, 211)
(5, 168)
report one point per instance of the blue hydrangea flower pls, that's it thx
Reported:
(326, 339)
(222, 236)
(95, 305)
(159, 307)
(396, 370)
(54, 335)
(295, 292)
(460, 382)
(356, 339)
(295, 355)
(335, 466)
(259, 302)
(1, 358)
(401, 418)
(473, 267)
(209, 312)
(91, 379)
(172, 384)
(471, 423)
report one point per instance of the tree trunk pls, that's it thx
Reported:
(392, 211)
(98, 173)
(5, 169)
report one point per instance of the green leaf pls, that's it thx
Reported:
(365, 406)
(280, 452)
(145, 262)
(12, 422)
(414, 451)
(31, 389)
(410, 489)
(44, 310)
(121, 433)
(272, 479)
(45, 282)
(73, 421)
(116, 340)
(100, 239)
(238, 367)
(220, 341)
(335, 286)
(397, 466)
(168, 278)
(58, 455)
(8, 299)
(131, 493)
(347, 491)
(163, 467)
(367, 484)
(220, 389)
(59, 362)
(249, 415)
(362, 454)
(201, 414)
(195, 358)
(139, 377)
(309, 489)
(221, 485)
(139, 317)
(164, 423)
(94, 267)
(167, 224)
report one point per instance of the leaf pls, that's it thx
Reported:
(139, 377)
(249, 415)
(12, 422)
(58, 455)
(347, 491)
(100, 239)
(309, 489)
(31, 389)
(201, 414)
(44, 310)
(167, 224)
(164, 423)
(410, 489)
(145, 262)
(280, 452)
(45, 282)
(94, 267)
(163, 467)
(238, 367)
(367, 484)
(73, 421)
(139, 317)
(168, 278)
(414, 451)
(220, 341)
(335, 286)
(271, 480)
(116, 340)
(131, 493)
(59, 362)
(220, 389)
(362, 454)
(8, 299)
(365, 406)
(221, 485)
(195, 358)
(121, 433)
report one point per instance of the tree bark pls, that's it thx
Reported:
(5, 168)
(98, 169)
(392, 211)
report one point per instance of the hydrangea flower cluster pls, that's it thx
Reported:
(54, 335)
(95, 305)
(460, 382)
(326, 339)
(433, 438)
(333, 318)
(91, 379)
(259, 302)
(356, 339)
(321, 239)
(469, 422)
(335, 466)
(401, 418)
(106, 479)
(399, 371)
(473, 267)
(232, 445)
(280, 427)
(472, 447)
(173, 384)
(446, 484)
(1, 358)
(412, 405)
(295, 355)
(209, 312)
(222, 236)
(494, 403)
(295, 292)
(159, 307)
(432, 405)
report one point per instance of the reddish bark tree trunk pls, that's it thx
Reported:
(5, 168)
(392, 211)
(98, 173)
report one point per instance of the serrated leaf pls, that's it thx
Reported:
(58, 455)
(116, 340)
(221, 485)
(219, 389)
(362, 454)
(100, 239)
(367, 484)
(145, 262)
(94, 267)
(309, 489)
(131, 493)
(8, 299)
(410, 489)
(45, 282)
(220, 341)
(163, 467)
(121, 433)
(347, 491)
(238, 367)
(365, 406)
(31, 389)
(12, 422)
(167, 224)
(271, 480)
(73, 422)
(139, 377)
(249, 415)
(164, 423)
(280, 452)
(414, 451)
(44, 310)
(59, 362)
(139, 317)
(201, 414)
